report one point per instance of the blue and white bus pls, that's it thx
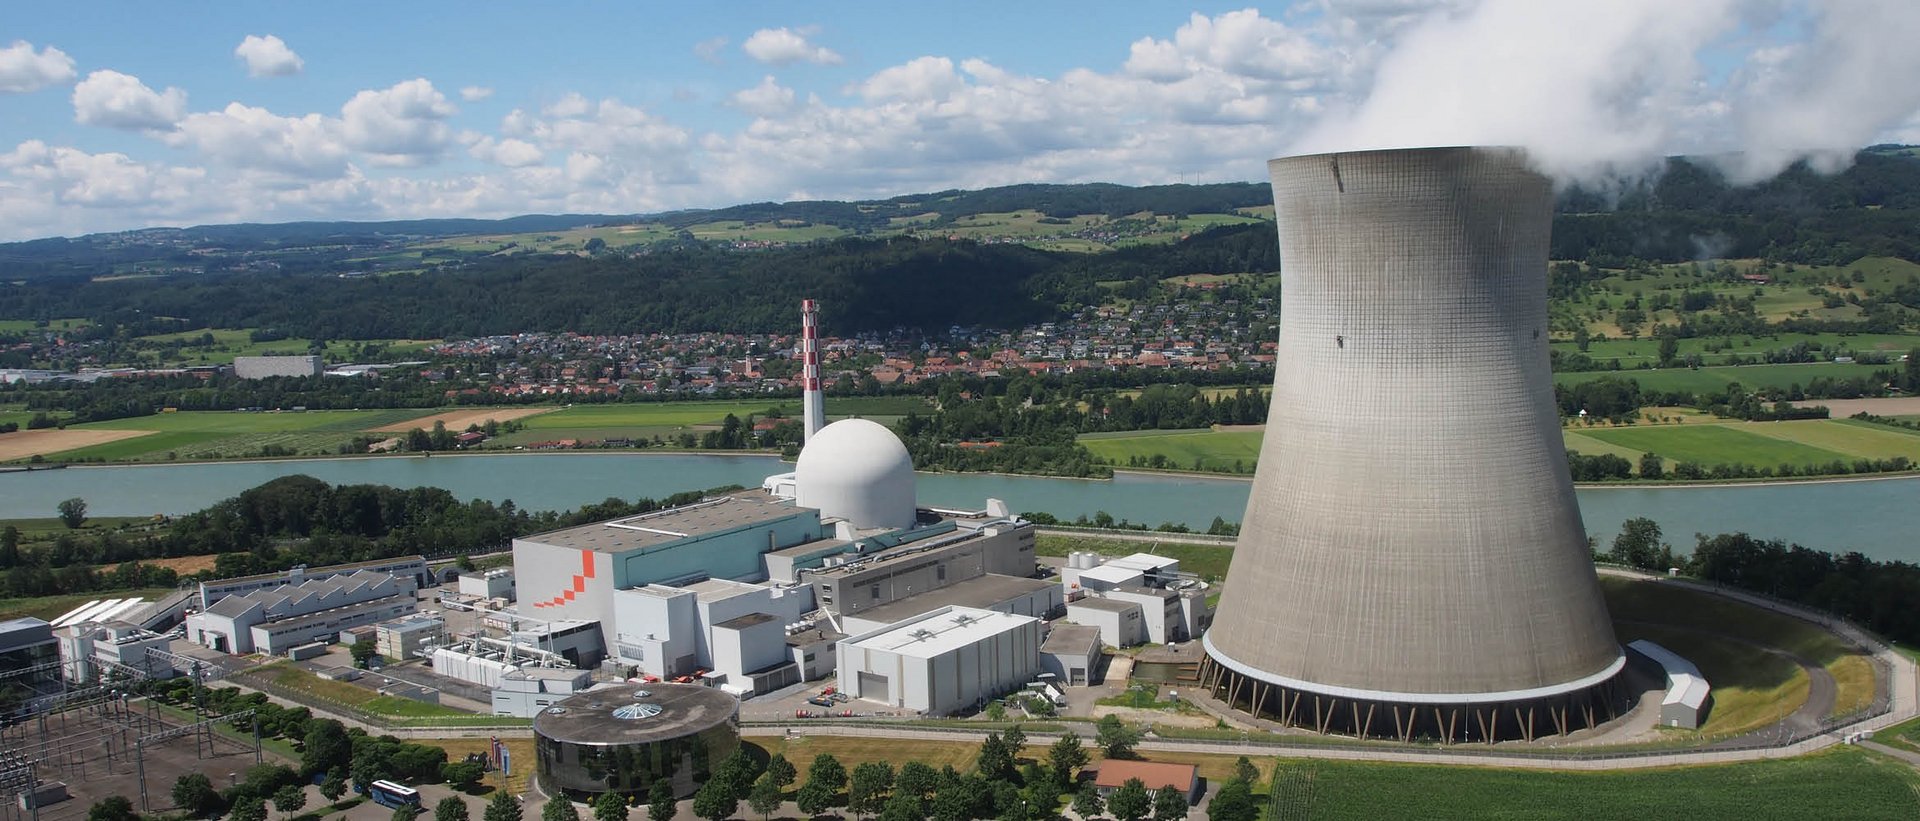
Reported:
(389, 794)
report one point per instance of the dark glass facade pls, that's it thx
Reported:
(585, 770)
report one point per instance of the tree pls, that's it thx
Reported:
(451, 808)
(1116, 737)
(660, 801)
(1638, 544)
(781, 770)
(736, 773)
(1651, 466)
(250, 808)
(1065, 758)
(916, 779)
(363, 652)
(828, 771)
(902, 807)
(112, 808)
(1669, 348)
(403, 813)
(1169, 804)
(73, 512)
(1234, 802)
(1245, 771)
(867, 791)
(1130, 802)
(462, 775)
(195, 794)
(993, 760)
(502, 807)
(765, 797)
(814, 798)
(559, 808)
(291, 797)
(1087, 802)
(333, 787)
(609, 806)
(715, 802)
(1016, 741)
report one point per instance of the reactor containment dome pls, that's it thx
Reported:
(1412, 562)
(857, 470)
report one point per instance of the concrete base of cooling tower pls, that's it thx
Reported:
(1518, 715)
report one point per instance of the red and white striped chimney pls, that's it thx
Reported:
(812, 403)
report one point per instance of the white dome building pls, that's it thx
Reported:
(858, 470)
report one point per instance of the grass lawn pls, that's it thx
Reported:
(1183, 450)
(1716, 444)
(1751, 688)
(353, 695)
(1210, 561)
(1844, 782)
(48, 608)
(1849, 436)
(229, 343)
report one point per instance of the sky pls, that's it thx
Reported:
(122, 115)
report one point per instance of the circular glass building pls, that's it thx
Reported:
(622, 739)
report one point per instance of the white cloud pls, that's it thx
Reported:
(109, 98)
(710, 49)
(23, 70)
(474, 94)
(922, 78)
(268, 56)
(402, 125)
(784, 46)
(1239, 42)
(254, 138)
(509, 152)
(767, 99)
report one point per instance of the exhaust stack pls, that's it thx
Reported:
(812, 403)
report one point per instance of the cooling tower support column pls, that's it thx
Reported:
(1412, 562)
(812, 404)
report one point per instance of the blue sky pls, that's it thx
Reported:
(124, 115)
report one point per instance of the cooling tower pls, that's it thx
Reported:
(1412, 562)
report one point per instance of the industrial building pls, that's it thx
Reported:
(488, 584)
(623, 738)
(1071, 652)
(943, 662)
(93, 649)
(263, 367)
(29, 650)
(275, 619)
(1412, 561)
(408, 638)
(526, 691)
(415, 567)
(1687, 697)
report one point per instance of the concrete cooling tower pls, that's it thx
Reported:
(1412, 562)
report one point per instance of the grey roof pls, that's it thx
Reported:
(745, 621)
(1067, 639)
(982, 591)
(1411, 533)
(589, 718)
(1109, 605)
(667, 526)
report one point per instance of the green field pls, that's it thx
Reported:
(1632, 352)
(1716, 379)
(229, 343)
(1844, 782)
(1715, 444)
(233, 434)
(14, 326)
(1206, 450)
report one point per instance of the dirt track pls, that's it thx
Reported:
(458, 421)
(26, 444)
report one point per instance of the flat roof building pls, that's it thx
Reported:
(942, 662)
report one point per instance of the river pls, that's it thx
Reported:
(1877, 517)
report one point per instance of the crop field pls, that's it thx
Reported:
(1713, 379)
(648, 415)
(1716, 444)
(1189, 449)
(14, 326)
(1846, 436)
(1845, 782)
(1632, 352)
(229, 343)
(780, 231)
(229, 422)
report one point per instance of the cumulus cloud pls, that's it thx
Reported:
(109, 98)
(474, 94)
(22, 69)
(768, 99)
(243, 136)
(268, 56)
(785, 46)
(401, 125)
(509, 152)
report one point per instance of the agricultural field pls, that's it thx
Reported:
(1632, 353)
(1208, 450)
(223, 434)
(1762, 444)
(14, 326)
(1815, 292)
(228, 343)
(1845, 782)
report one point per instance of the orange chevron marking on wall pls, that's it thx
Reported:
(579, 583)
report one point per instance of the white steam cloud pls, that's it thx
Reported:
(1598, 89)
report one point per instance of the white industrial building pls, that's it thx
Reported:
(946, 661)
(488, 584)
(1071, 653)
(407, 638)
(1134, 599)
(1688, 695)
(415, 567)
(262, 367)
(274, 620)
(1120, 623)
(93, 649)
(526, 691)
